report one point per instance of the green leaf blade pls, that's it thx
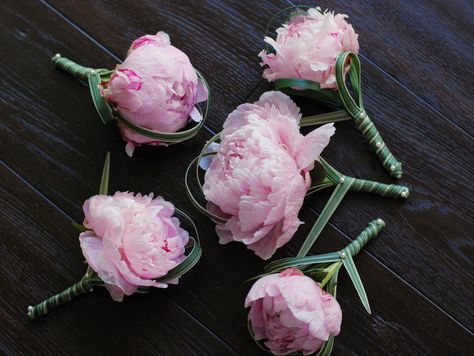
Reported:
(103, 109)
(104, 182)
(339, 192)
(302, 261)
(326, 349)
(187, 264)
(354, 275)
(79, 227)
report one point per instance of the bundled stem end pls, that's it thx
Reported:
(85, 285)
(74, 69)
(370, 232)
(56, 57)
(385, 190)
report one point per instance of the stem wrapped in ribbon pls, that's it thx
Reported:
(314, 60)
(121, 256)
(293, 306)
(153, 94)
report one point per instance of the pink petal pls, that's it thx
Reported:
(201, 94)
(310, 148)
(129, 148)
(195, 114)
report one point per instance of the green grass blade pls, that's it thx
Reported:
(331, 288)
(189, 262)
(352, 271)
(194, 201)
(329, 209)
(311, 90)
(335, 116)
(192, 258)
(103, 109)
(78, 227)
(326, 349)
(331, 271)
(302, 261)
(104, 182)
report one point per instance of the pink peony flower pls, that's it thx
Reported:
(155, 87)
(307, 47)
(133, 240)
(292, 313)
(260, 175)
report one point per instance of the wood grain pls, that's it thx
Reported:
(40, 255)
(396, 111)
(228, 62)
(59, 261)
(53, 138)
(424, 45)
(435, 222)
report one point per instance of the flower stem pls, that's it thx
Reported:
(333, 177)
(385, 190)
(74, 69)
(365, 236)
(82, 287)
(372, 135)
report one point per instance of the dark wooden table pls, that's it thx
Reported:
(418, 86)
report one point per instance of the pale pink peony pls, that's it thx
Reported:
(291, 313)
(155, 87)
(260, 175)
(132, 240)
(307, 47)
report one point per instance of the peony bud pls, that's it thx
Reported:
(307, 47)
(156, 87)
(290, 313)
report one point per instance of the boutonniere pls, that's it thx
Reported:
(257, 178)
(131, 242)
(315, 55)
(153, 95)
(293, 306)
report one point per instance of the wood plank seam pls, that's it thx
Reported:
(262, 81)
(367, 251)
(67, 216)
(347, 237)
(375, 65)
(407, 89)
(411, 92)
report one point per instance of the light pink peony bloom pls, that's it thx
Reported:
(307, 47)
(291, 313)
(133, 240)
(260, 175)
(155, 87)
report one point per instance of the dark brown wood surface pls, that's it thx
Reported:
(417, 84)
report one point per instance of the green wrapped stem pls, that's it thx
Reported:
(365, 236)
(82, 287)
(359, 185)
(74, 69)
(385, 190)
(348, 64)
(372, 135)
